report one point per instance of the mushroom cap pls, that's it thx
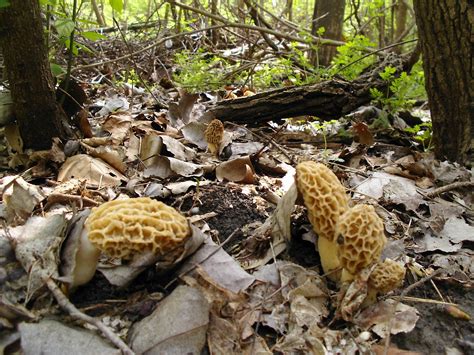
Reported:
(214, 132)
(323, 195)
(363, 238)
(126, 228)
(387, 276)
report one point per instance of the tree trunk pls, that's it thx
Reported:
(98, 14)
(331, 17)
(445, 31)
(38, 114)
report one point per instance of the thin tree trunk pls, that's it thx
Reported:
(401, 12)
(98, 14)
(38, 114)
(289, 9)
(330, 15)
(445, 30)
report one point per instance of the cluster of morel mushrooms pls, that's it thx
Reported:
(350, 239)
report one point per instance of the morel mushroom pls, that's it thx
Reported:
(361, 233)
(214, 134)
(326, 200)
(126, 229)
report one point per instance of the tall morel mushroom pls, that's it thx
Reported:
(214, 135)
(326, 200)
(127, 229)
(362, 241)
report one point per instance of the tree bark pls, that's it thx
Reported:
(331, 14)
(326, 100)
(38, 114)
(445, 29)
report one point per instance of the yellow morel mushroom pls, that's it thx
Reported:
(362, 241)
(386, 276)
(326, 200)
(214, 134)
(127, 229)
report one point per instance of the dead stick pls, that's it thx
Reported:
(65, 304)
(449, 187)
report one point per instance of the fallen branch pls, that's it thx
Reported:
(65, 304)
(327, 100)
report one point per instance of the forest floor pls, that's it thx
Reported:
(264, 290)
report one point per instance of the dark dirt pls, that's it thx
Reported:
(234, 210)
(436, 329)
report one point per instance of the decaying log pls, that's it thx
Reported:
(326, 100)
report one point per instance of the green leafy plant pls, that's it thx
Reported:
(402, 92)
(349, 61)
(423, 133)
(198, 71)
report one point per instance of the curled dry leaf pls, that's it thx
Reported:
(178, 149)
(37, 246)
(150, 149)
(118, 125)
(194, 133)
(236, 170)
(94, 171)
(113, 155)
(19, 197)
(165, 167)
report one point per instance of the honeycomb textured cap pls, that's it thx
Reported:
(214, 132)
(126, 228)
(323, 195)
(363, 238)
(387, 276)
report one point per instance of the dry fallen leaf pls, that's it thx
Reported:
(19, 197)
(182, 319)
(94, 171)
(236, 170)
(52, 337)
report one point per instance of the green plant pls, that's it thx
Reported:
(198, 71)
(402, 92)
(348, 62)
(423, 133)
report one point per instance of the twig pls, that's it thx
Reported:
(66, 305)
(450, 187)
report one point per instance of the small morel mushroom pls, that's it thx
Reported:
(127, 229)
(386, 277)
(326, 200)
(214, 134)
(362, 241)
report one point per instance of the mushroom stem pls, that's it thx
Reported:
(346, 276)
(87, 258)
(371, 297)
(329, 259)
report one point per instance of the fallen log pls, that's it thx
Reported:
(326, 100)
